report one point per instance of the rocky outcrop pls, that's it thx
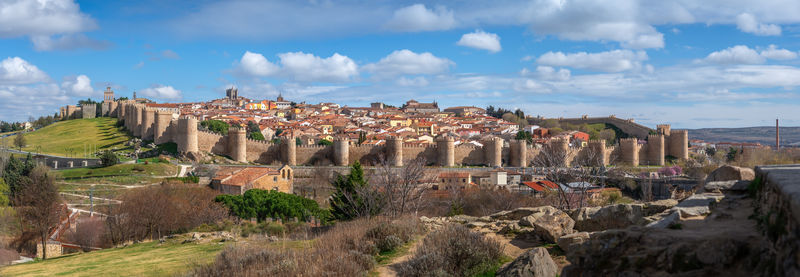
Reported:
(733, 186)
(731, 173)
(697, 204)
(549, 223)
(534, 263)
(663, 252)
(565, 242)
(541, 223)
(591, 219)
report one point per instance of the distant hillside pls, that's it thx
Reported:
(763, 135)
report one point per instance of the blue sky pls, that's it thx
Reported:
(719, 63)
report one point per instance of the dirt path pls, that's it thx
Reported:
(388, 270)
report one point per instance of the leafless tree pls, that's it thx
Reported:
(555, 167)
(404, 186)
(38, 204)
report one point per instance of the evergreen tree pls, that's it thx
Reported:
(353, 198)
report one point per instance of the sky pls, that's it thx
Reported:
(692, 64)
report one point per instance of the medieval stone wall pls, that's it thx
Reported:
(263, 152)
(315, 155)
(161, 127)
(212, 143)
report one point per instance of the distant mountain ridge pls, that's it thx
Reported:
(764, 135)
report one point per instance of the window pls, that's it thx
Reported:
(464, 180)
(275, 179)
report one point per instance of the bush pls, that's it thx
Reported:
(345, 250)
(453, 250)
(263, 204)
(216, 126)
(108, 158)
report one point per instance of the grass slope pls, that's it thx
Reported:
(144, 259)
(69, 138)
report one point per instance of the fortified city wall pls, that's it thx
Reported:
(162, 126)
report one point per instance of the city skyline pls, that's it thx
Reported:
(699, 65)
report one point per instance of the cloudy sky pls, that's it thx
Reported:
(712, 63)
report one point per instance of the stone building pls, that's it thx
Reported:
(412, 106)
(237, 180)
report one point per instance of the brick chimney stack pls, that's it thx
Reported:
(777, 136)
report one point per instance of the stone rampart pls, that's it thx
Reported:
(778, 214)
(212, 143)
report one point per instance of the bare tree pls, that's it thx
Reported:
(555, 167)
(38, 204)
(403, 187)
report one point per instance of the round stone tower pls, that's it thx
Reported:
(629, 151)
(445, 147)
(597, 152)
(186, 136)
(655, 149)
(162, 121)
(291, 151)
(121, 111)
(137, 121)
(494, 152)
(519, 151)
(237, 144)
(560, 147)
(341, 151)
(394, 147)
(679, 144)
(148, 117)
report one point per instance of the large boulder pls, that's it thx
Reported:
(534, 263)
(731, 173)
(566, 241)
(656, 207)
(515, 214)
(732, 186)
(697, 204)
(549, 223)
(591, 219)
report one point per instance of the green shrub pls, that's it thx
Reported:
(108, 158)
(389, 244)
(262, 204)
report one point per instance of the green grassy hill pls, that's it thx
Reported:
(74, 137)
(144, 259)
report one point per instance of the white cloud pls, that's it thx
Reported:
(609, 61)
(739, 54)
(80, 86)
(406, 62)
(162, 92)
(547, 73)
(528, 85)
(42, 18)
(747, 23)
(310, 68)
(257, 65)
(417, 18)
(20, 102)
(481, 40)
(412, 82)
(16, 71)
(68, 42)
(773, 53)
